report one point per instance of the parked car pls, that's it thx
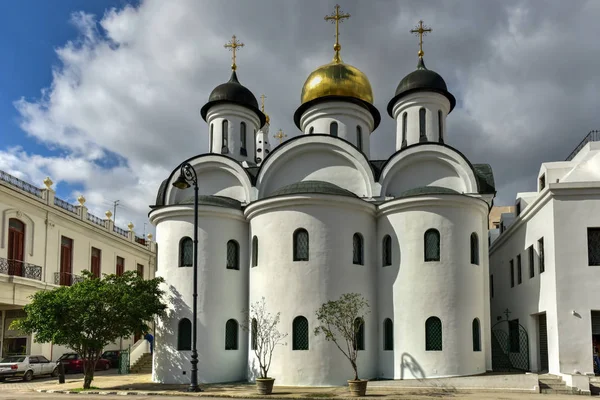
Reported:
(112, 356)
(72, 362)
(26, 367)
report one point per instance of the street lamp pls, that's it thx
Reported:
(188, 175)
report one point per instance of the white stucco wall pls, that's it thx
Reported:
(235, 115)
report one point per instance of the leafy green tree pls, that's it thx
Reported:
(337, 321)
(93, 313)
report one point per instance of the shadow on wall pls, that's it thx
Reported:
(253, 369)
(411, 367)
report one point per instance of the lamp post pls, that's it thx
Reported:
(188, 175)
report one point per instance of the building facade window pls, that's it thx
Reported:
(233, 255)
(95, 262)
(359, 142)
(300, 333)
(66, 261)
(518, 207)
(16, 246)
(432, 245)
(139, 269)
(404, 127)
(541, 264)
(311, 130)
(333, 129)
(243, 139)
(254, 333)
(519, 270)
(441, 126)
(422, 127)
(474, 249)
(512, 273)
(593, 235)
(358, 256)
(492, 286)
(433, 334)
(231, 335)
(300, 245)
(359, 332)
(120, 270)
(184, 335)
(530, 259)
(186, 252)
(388, 334)
(386, 251)
(476, 335)
(225, 137)
(256, 148)
(254, 251)
(542, 182)
(211, 134)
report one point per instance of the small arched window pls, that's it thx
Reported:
(255, 144)
(225, 137)
(433, 334)
(359, 142)
(300, 333)
(243, 139)
(254, 251)
(231, 335)
(422, 128)
(210, 137)
(253, 333)
(233, 255)
(184, 335)
(386, 251)
(404, 127)
(333, 129)
(441, 126)
(388, 334)
(358, 253)
(474, 249)
(359, 332)
(300, 246)
(476, 336)
(186, 252)
(432, 245)
(311, 130)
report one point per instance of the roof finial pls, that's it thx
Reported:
(337, 18)
(421, 30)
(280, 135)
(233, 44)
(262, 103)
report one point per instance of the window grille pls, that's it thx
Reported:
(519, 270)
(542, 267)
(422, 130)
(254, 333)
(231, 335)
(357, 249)
(359, 143)
(254, 251)
(233, 255)
(593, 246)
(432, 245)
(300, 245)
(333, 129)
(531, 261)
(433, 334)
(359, 334)
(476, 336)
(186, 252)
(386, 251)
(184, 335)
(300, 334)
(474, 249)
(388, 334)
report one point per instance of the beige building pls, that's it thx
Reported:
(46, 242)
(495, 214)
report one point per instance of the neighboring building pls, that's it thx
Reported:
(545, 266)
(318, 219)
(496, 212)
(46, 242)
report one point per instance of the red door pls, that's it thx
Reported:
(96, 262)
(66, 260)
(16, 246)
(120, 266)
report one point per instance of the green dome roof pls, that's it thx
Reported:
(312, 187)
(424, 190)
(216, 201)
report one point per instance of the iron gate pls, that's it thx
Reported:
(124, 361)
(510, 347)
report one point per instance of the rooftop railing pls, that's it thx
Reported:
(592, 136)
(14, 181)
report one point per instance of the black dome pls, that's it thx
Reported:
(233, 92)
(421, 80)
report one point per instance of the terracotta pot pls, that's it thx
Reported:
(265, 386)
(358, 388)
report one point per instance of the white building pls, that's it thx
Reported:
(544, 268)
(46, 242)
(318, 219)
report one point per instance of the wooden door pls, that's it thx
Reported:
(66, 260)
(16, 246)
(96, 262)
(120, 266)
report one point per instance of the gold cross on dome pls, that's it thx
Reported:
(280, 135)
(233, 44)
(262, 102)
(337, 18)
(421, 30)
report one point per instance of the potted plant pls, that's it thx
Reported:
(340, 322)
(264, 336)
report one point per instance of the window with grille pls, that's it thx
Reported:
(233, 255)
(300, 333)
(474, 249)
(388, 334)
(433, 334)
(254, 251)
(593, 246)
(210, 138)
(254, 333)
(184, 335)
(531, 261)
(357, 249)
(476, 336)
(542, 267)
(359, 143)
(441, 126)
(432, 245)
(404, 126)
(243, 138)
(333, 129)
(359, 334)
(519, 270)
(513, 336)
(386, 251)
(225, 137)
(186, 252)
(422, 130)
(231, 335)
(255, 145)
(300, 245)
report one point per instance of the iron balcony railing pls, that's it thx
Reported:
(66, 278)
(20, 268)
(592, 136)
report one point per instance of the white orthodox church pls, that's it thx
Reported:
(315, 218)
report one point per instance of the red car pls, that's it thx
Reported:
(72, 362)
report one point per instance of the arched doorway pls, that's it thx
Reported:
(510, 347)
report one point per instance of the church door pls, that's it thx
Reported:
(66, 260)
(16, 246)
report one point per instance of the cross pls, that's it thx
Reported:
(421, 30)
(233, 44)
(507, 313)
(280, 135)
(262, 102)
(337, 18)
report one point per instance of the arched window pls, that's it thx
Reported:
(254, 251)
(16, 246)
(253, 333)
(359, 332)
(476, 336)
(422, 130)
(233, 255)
(432, 245)
(210, 137)
(333, 129)
(433, 334)
(300, 333)
(231, 335)
(225, 137)
(359, 143)
(184, 335)
(441, 126)
(388, 334)
(300, 238)
(404, 127)
(255, 145)
(186, 252)
(358, 254)
(311, 130)
(474, 249)
(243, 139)
(386, 251)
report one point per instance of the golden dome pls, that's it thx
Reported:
(337, 79)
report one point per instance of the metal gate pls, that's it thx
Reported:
(510, 347)
(124, 362)
(543, 334)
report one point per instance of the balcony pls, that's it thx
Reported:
(20, 268)
(66, 278)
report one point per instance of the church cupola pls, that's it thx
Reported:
(421, 103)
(233, 116)
(337, 99)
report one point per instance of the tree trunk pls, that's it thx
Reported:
(88, 373)
(355, 369)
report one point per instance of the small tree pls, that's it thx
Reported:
(262, 326)
(93, 313)
(337, 322)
